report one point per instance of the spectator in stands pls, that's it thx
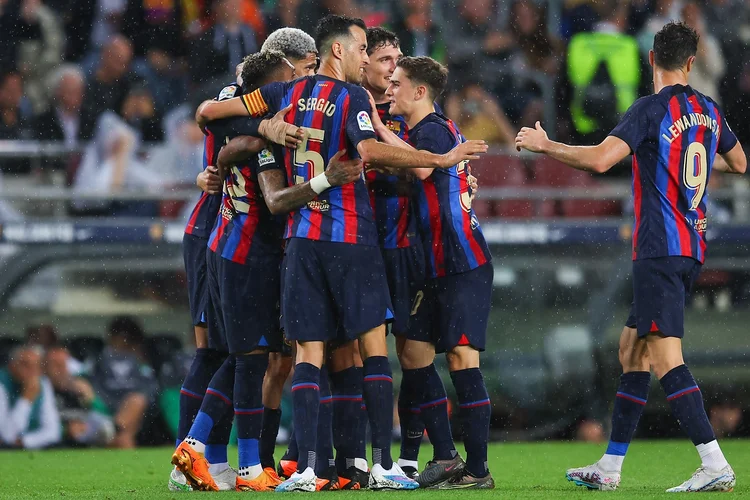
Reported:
(64, 120)
(603, 68)
(311, 11)
(165, 76)
(112, 80)
(479, 116)
(139, 112)
(89, 27)
(27, 402)
(39, 56)
(709, 67)
(538, 55)
(418, 34)
(18, 22)
(663, 12)
(13, 124)
(217, 52)
(84, 416)
(154, 26)
(284, 14)
(123, 381)
(475, 50)
(45, 336)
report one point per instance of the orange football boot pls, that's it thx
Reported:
(286, 468)
(195, 468)
(266, 481)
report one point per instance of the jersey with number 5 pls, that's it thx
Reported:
(336, 116)
(450, 232)
(674, 137)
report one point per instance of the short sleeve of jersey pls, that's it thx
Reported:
(435, 138)
(358, 123)
(269, 158)
(634, 126)
(264, 100)
(727, 139)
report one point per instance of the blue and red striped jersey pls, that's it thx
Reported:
(391, 195)
(674, 137)
(453, 240)
(336, 116)
(204, 212)
(245, 227)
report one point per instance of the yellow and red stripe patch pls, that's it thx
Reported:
(254, 103)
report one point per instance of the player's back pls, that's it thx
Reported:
(454, 242)
(335, 116)
(203, 215)
(675, 136)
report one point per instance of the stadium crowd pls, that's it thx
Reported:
(126, 66)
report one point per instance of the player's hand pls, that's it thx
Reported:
(532, 139)
(468, 150)
(280, 132)
(341, 172)
(473, 184)
(209, 180)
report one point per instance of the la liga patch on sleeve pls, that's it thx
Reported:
(265, 157)
(363, 120)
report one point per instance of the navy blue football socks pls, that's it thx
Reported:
(349, 420)
(268, 434)
(324, 446)
(433, 410)
(378, 395)
(306, 397)
(686, 401)
(248, 410)
(216, 401)
(630, 401)
(412, 427)
(204, 365)
(475, 411)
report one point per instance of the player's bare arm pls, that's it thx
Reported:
(209, 181)
(282, 199)
(376, 152)
(598, 159)
(732, 162)
(215, 110)
(236, 150)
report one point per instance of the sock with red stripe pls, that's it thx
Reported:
(204, 365)
(268, 434)
(686, 401)
(348, 417)
(248, 411)
(475, 411)
(433, 411)
(630, 401)
(306, 399)
(324, 446)
(412, 427)
(217, 400)
(378, 396)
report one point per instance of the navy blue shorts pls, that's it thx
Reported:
(405, 272)
(194, 254)
(661, 286)
(246, 301)
(458, 306)
(333, 291)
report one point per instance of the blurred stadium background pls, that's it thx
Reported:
(99, 153)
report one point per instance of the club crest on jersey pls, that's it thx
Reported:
(265, 157)
(227, 92)
(363, 120)
(394, 126)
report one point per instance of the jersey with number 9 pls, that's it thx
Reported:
(335, 116)
(674, 137)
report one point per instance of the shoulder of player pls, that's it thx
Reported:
(434, 125)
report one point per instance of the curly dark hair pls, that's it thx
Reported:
(427, 71)
(332, 26)
(256, 68)
(380, 37)
(674, 44)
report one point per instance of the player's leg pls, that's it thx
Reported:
(630, 400)
(410, 422)
(310, 321)
(349, 419)
(462, 304)
(422, 380)
(325, 467)
(667, 282)
(279, 367)
(189, 455)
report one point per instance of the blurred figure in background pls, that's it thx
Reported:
(418, 33)
(27, 402)
(479, 116)
(13, 124)
(83, 415)
(709, 67)
(123, 381)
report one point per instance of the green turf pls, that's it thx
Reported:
(521, 470)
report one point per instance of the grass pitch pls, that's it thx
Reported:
(521, 470)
